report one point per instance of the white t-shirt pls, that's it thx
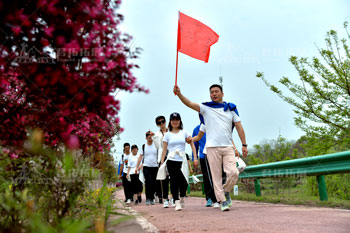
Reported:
(176, 141)
(125, 166)
(203, 128)
(218, 125)
(150, 156)
(132, 163)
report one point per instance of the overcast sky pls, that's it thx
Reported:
(254, 35)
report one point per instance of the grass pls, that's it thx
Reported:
(294, 199)
(292, 196)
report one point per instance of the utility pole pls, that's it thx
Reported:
(220, 80)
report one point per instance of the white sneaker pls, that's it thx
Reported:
(128, 201)
(216, 205)
(166, 204)
(172, 202)
(182, 202)
(177, 205)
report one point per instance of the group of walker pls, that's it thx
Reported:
(165, 152)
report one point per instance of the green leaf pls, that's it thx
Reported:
(68, 162)
(77, 226)
(259, 74)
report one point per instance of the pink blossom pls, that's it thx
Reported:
(41, 3)
(61, 40)
(5, 151)
(20, 15)
(51, 6)
(121, 63)
(71, 99)
(54, 142)
(72, 47)
(111, 65)
(95, 11)
(16, 30)
(48, 31)
(14, 156)
(45, 42)
(40, 80)
(86, 125)
(73, 142)
(90, 67)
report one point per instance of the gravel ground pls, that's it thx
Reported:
(242, 217)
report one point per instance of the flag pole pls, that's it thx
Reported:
(177, 55)
(177, 49)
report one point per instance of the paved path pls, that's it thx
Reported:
(242, 217)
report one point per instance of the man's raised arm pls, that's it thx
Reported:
(186, 101)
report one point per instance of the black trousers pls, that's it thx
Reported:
(150, 174)
(163, 188)
(207, 180)
(136, 184)
(126, 187)
(178, 182)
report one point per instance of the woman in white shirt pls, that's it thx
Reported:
(136, 185)
(175, 141)
(150, 168)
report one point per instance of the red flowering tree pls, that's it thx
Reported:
(60, 64)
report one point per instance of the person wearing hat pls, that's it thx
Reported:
(175, 141)
(219, 118)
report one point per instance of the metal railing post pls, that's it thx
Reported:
(257, 187)
(322, 188)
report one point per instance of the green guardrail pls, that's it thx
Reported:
(318, 166)
(190, 181)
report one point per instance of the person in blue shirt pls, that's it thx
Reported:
(199, 139)
(207, 180)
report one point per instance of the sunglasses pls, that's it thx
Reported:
(160, 122)
(148, 134)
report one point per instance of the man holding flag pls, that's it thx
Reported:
(219, 118)
(194, 39)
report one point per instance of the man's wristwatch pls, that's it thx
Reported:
(245, 145)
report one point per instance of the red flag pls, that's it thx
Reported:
(195, 38)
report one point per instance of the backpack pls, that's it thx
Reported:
(119, 164)
(143, 153)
